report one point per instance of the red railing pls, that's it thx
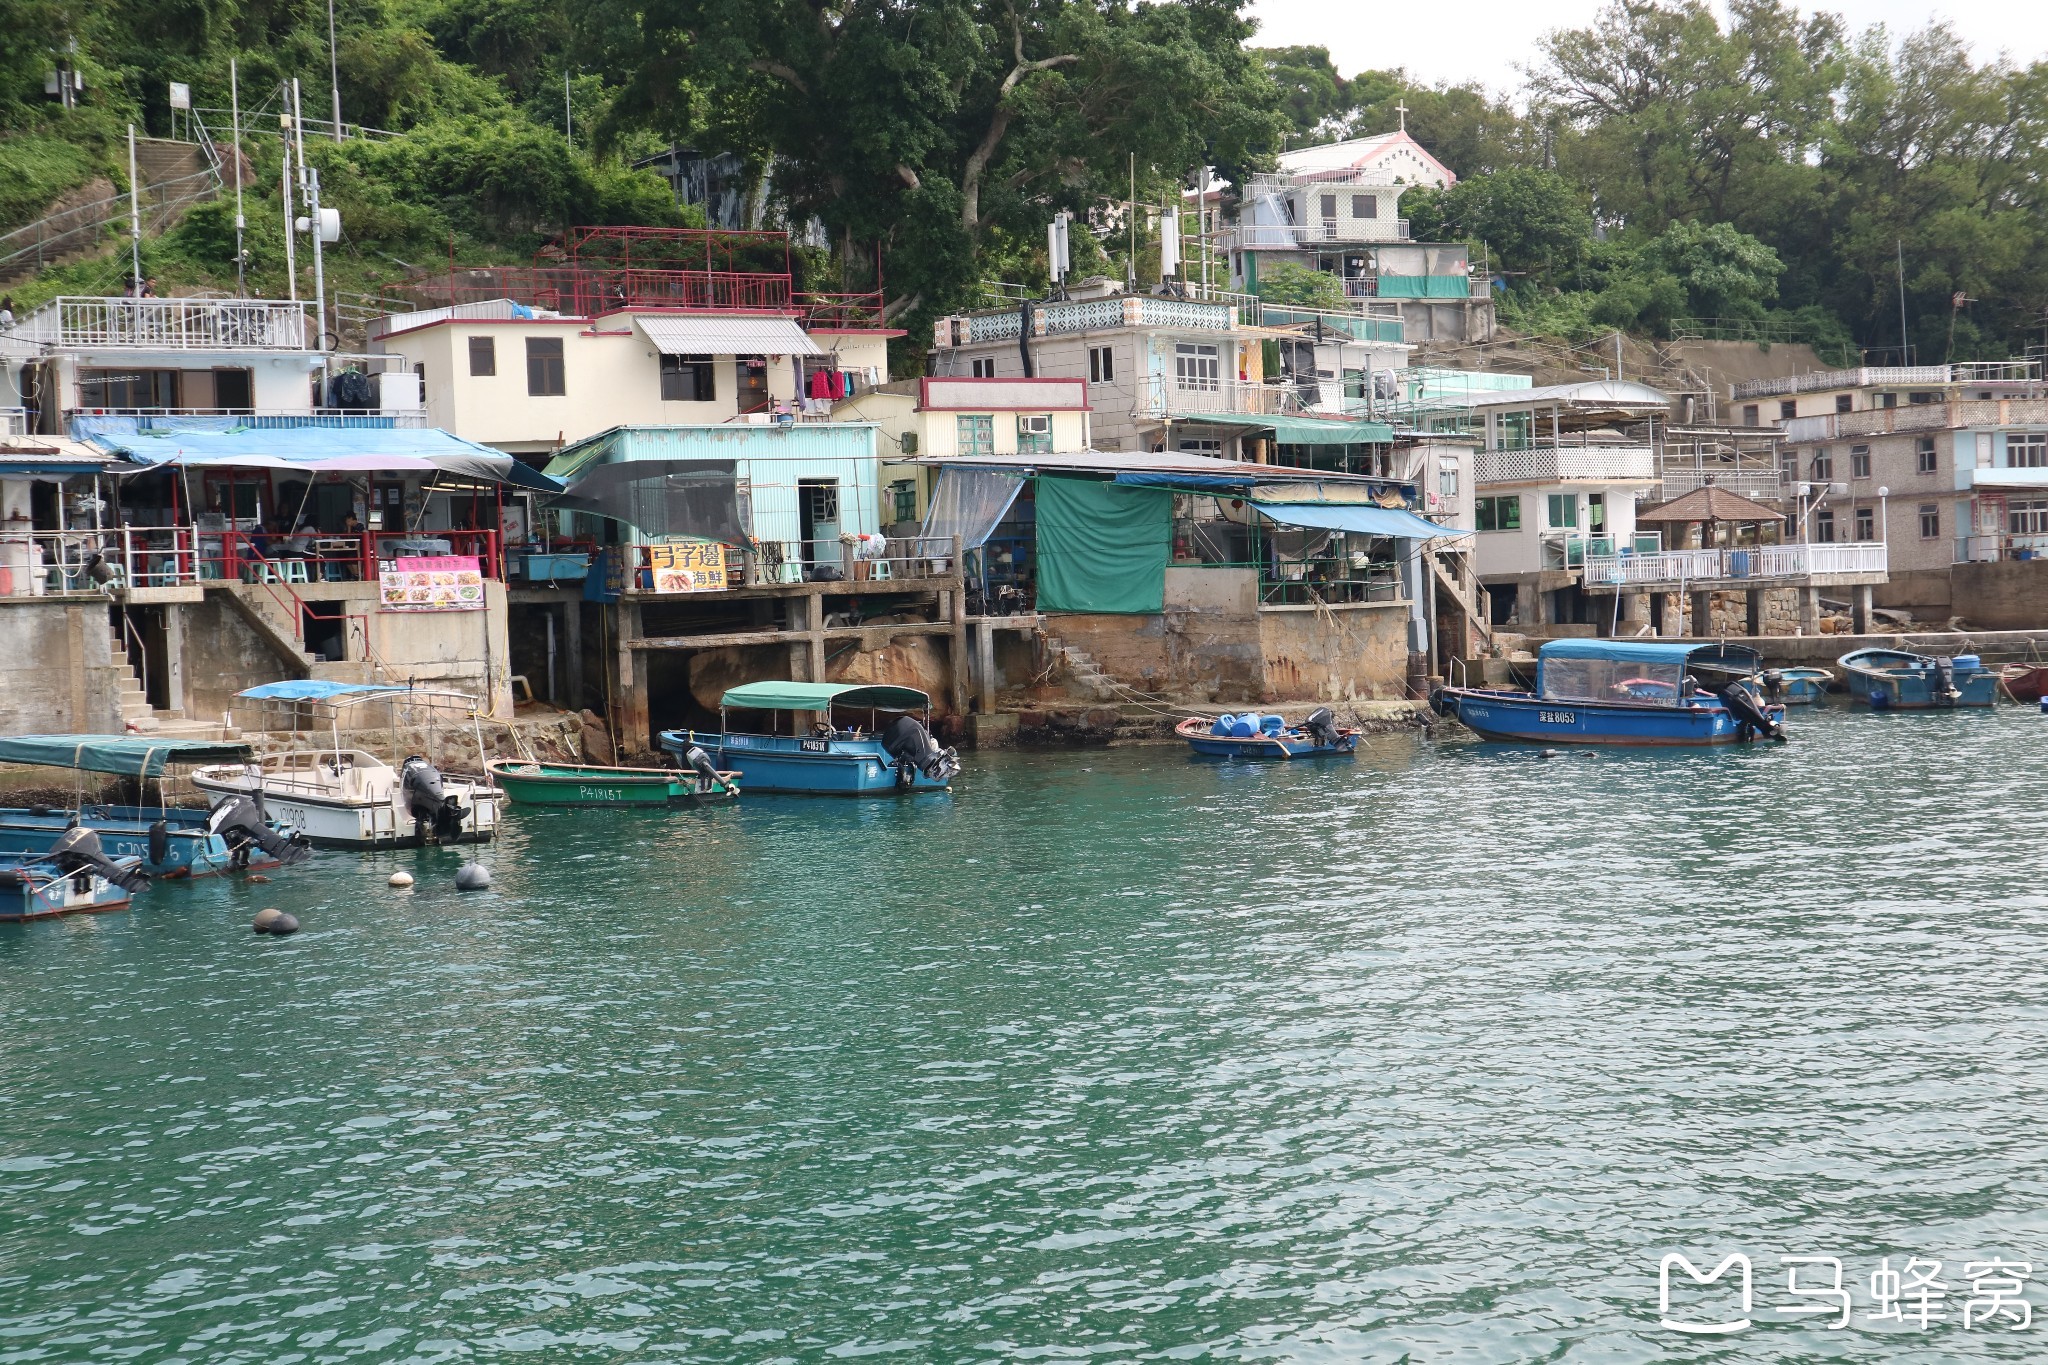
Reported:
(582, 292)
(840, 310)
(161, 556)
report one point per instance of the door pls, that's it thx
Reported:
(817, 502)
(232, 391)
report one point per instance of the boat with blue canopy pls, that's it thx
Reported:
(1899, 680)
(168, 841)
(835, 755)
(1625, 692)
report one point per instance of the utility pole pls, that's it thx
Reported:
(319, 266)
(134, 222)
(568, 113)
(333, 70)
(235, 143)
(1905, 349)
(288, 124)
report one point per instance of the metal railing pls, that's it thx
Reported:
(1737, 563)
(169, 556)
(875, 559)
(268, 418)
(583, 291)
(1548, 464)
(29, 248)
(1760, 485)
(168, 324)
(1171, 396)
(1989, 547)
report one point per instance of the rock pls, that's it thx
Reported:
(284, 924)
(401, 879)
(266, 920)
(472, 877)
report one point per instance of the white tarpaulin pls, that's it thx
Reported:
(714, 335)
(969, 503)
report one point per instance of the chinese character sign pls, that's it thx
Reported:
(440, 583)
(687, 566)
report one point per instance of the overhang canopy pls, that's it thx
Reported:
(1329, 432)
(701, 334)
(317, 447)
(49, 457)
(1711, 504)
(805, 696)
(124, 755)
(1356, 517)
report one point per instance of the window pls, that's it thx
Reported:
(1499, 514)
(128, 388)
(1447, 479)
(977, 434)
(688, 379)
(1101, 364)
(1824, 527)
(821, 499)
(1329, 207)
(1823, 464)
(1930, 520)
(1845, 402)
(1788, 409)
(1563, 509)
(1034, 435)
(2027, 518)
(1192, 445)
(1751, 416)
(1596, 512)
(1922, 398)
(1887, 400)
(1859, 462)
(1196, 368)
(1924, 450)
(544, 376)
(2026, 450)
(1866, 523)
(1365, 206)
(483, 357)
(984, 368)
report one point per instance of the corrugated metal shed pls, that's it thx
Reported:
(702, 334)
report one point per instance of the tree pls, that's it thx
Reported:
(1312, 95)
(1531, 220)
(1287, 283)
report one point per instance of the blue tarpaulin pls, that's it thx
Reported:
(316, 446)
(1205, 482)
(312, 689)
(1362, 518)
(125, 755)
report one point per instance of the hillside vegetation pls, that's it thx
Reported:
(1659, 170)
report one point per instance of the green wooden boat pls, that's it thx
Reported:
(578, 784)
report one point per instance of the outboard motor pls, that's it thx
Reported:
(242, 825)
(1321, 726)
(428, 805)
(915, 751)
(1750, 716)
(1942, 686)
(79, 850)
(699, 762)
(1774, 686)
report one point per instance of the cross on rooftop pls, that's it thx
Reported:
(1401, 108)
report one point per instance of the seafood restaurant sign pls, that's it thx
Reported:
(439, 583)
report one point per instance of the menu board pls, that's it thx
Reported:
(436, 583)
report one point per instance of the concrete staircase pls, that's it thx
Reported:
(1082, 671)
(139, 717)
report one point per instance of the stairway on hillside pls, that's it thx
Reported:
(174, 176)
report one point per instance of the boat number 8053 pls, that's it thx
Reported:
(1556, 717)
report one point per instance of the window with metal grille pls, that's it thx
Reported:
(1788, 408)
(1034, 435)
(977, 434)
(1924, 451)
(2026, 449)
(1845, 402)
(2028, 518)
(688, 379)
(1866, 523)
(1197, 368)
(1859, 462)
(483, 356)
(823, 497)
(545, 377)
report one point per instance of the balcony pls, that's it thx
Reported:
(167, 324)
(1567, 464)
(1064, 316)
(1316, 232)
(1759, 566)
(1170, 396)
(1758, 485)
(259, 418)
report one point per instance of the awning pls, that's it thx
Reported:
(125, 755)
(224, 441)
(49, 457)
(1206, 483)
(341, 694)
(803, 696)
(1314, 431)
(664, 497)
(1357, 517)
(714, 335)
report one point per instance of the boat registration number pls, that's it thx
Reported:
(815, 746)
(1556, 718)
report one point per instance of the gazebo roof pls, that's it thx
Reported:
(1711, 504)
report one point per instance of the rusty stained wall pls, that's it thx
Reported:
(1340, 653)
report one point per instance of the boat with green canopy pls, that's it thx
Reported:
(528, 782)
(170, 841)
(836, 754)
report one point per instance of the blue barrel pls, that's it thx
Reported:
(1968, 663)
(1244, 726)
(1271, 725)
(1222, 724)
(1738, 563)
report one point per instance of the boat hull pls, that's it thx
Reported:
(2025, 682)
(191, 850)
(549, 784)
(334, 822)
(1891, 680)
(1523, 718)
(1804, 686)
(31, 889)
(1287, 744)
(839, 766)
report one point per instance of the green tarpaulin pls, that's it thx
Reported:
(1102, 546)
(1311, 431)
(121, 754)
(1425, 286)
(802, 696)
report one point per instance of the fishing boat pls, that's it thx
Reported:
(1796, 686)
(342, 797)
(69, 876)
(170, 841)
(2024, 682)
(1625, 692)
(835, 755)
(1269, 737)
(1899, 680)
(529, 783)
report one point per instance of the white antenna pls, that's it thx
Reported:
(1058, 260)
(1169, 244)
(241, 222)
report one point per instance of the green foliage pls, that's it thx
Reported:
(1285, 282)
(34, 169)
(1312, 95)
(1724, 273)
(1531, 221)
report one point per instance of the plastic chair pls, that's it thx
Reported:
(880, 569)
(295, 571)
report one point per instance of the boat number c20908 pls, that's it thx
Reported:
(1556, 718)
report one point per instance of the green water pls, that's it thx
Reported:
(1108, 1056)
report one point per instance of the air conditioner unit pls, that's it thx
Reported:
(1035, 426)
(909, 443)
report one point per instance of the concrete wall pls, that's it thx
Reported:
(57, 669)
(1339, 653)
(2005, 595)
(1927, 593)
(223, 655)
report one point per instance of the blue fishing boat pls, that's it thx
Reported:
(835, 755)
(1899, 680)
(67, 876)
(1796, 686)
(1255, 736)
(169, 841)
(1625, 692)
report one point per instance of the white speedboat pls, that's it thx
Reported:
(346, 798)
(343, 797)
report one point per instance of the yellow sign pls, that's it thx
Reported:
(688, 566)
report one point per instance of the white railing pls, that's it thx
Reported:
(1823, 381)
(1168, 396)
(1549, 464)
(1755, 562)
(168, 324)
(1282, 236)
(1760, 485)
(269, 418)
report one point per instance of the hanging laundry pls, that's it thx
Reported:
(839, 383)
(821, 384)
